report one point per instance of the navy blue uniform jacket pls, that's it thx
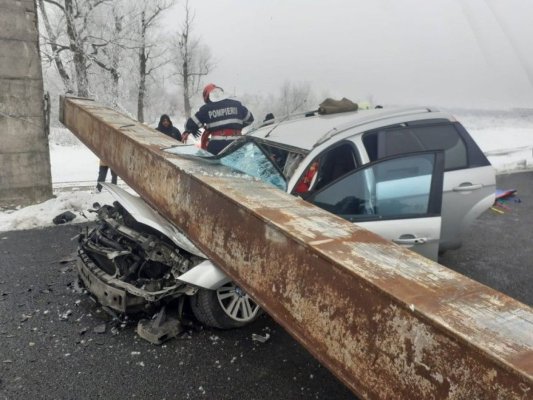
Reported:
(219, 115)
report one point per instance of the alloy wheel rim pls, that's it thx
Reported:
(236, 303)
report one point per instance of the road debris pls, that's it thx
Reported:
(64, 217)
(65, 315)
(260, 338)
(160, 328)
(100, 328)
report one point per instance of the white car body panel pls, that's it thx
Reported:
(418, 234)
(467, 193)
(205, 275)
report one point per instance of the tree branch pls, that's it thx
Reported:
(55, 3)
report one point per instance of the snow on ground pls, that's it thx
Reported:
(41, 215)
(71, 160)
(75, 167)
(506, 138)
(71, 164)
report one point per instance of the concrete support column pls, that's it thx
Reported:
(25, 176)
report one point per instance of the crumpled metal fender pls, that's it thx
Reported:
(205, 275)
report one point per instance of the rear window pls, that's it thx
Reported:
(408, 139)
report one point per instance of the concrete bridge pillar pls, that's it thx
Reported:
(25, 176)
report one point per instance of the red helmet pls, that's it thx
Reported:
(207, 90)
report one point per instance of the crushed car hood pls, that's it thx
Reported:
(146, 215)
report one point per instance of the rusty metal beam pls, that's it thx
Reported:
(388, 323)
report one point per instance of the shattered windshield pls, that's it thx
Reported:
(251, 160)
(245, 156)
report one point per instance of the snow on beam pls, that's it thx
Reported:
(387, 322)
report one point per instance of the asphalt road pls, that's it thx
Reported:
(498, 249)
(50, 347)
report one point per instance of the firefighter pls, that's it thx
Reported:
(221, 118)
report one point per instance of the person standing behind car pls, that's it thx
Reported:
(269, 119)
(165, 126)
(102, 175)
(221, 118)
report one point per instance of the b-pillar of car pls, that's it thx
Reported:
(387, 322)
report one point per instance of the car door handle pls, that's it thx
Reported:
(410, 240)
(467, 187)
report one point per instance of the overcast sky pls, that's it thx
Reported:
(473, 53)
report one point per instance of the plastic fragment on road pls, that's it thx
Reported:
(260, 338)
(160, 329)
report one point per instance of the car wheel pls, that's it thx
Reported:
(225, 308)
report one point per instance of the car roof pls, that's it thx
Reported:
(307, 132)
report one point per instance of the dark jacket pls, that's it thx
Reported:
(170, 130)
(219, 115)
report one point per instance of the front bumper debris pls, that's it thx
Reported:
(116, 294)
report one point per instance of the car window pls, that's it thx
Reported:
(401, 187)
(476, 158)
(407, 139)
(327, 167)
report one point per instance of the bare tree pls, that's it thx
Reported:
(93, 43)
(150, 58)
(194, 60)
(294, 97)
(291, 98)
(107, 50)
(56, 49)
(75, 20)
(143, 60)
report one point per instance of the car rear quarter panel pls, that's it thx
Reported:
(461, 208)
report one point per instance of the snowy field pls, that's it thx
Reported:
(506, 137)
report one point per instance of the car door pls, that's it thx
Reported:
(467, 192)
(469, 180)
(399, 198)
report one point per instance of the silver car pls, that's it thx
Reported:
(335, 145)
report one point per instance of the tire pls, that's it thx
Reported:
(227, 307)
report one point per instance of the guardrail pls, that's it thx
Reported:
(387, 322)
